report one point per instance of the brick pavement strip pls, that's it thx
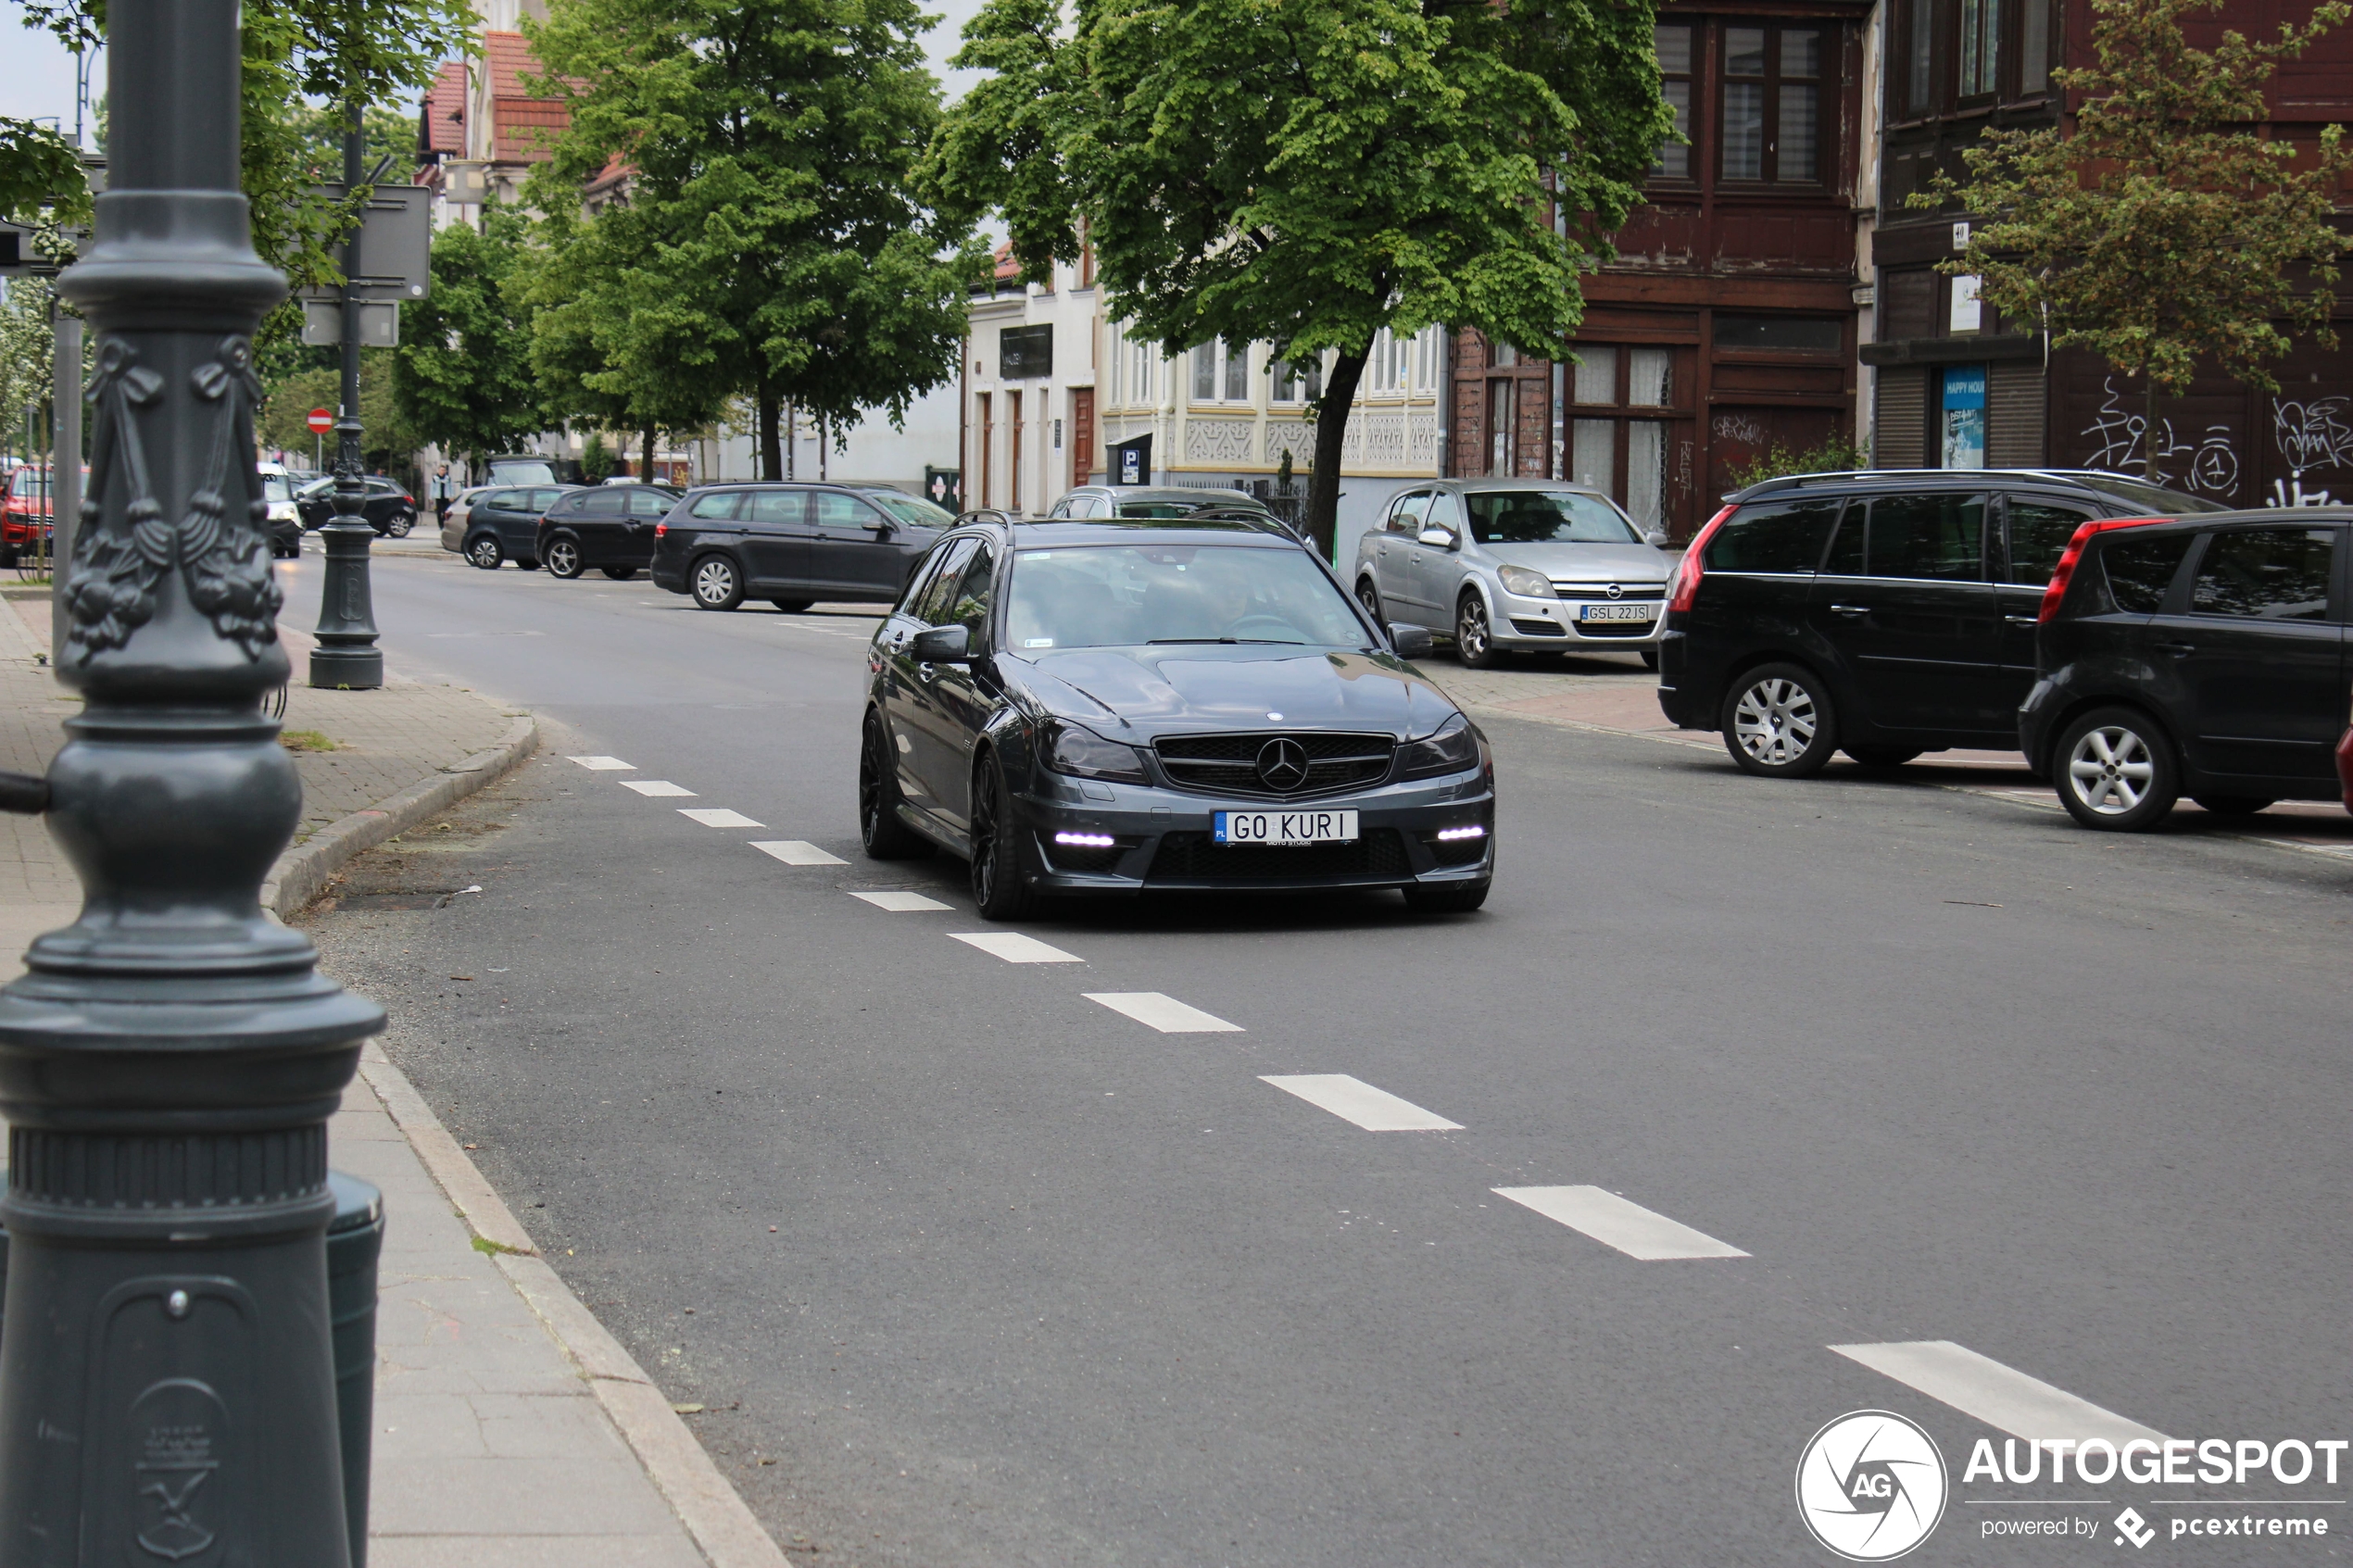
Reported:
(511, 1430)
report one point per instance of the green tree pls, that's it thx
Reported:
(1310, 171)
(314, 381)
(2164, 230)
(596, 461)
(26, 354)
(770, 245)
(462, 377)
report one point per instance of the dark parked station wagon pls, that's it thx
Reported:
(1882, 614)
(793, 543)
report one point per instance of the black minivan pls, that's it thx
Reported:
(1879, 613)
(793, 544)
(2202, 658)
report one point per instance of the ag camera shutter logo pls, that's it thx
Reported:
(1871, 1486)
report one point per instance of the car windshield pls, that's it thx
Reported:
(522, 473)
(1123, 596)
(1546, 517)
(908, 508)
(28, 483)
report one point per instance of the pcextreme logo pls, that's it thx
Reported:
(1871, 1486)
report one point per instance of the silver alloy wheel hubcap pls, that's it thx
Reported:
(486, 554)
(715, 582)
(1775, 721)
(2110, 769)
(562, 559)
(1472, 633)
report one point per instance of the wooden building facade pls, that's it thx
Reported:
(1959, 387)
(1727, 325)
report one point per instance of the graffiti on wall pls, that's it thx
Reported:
(1741, 428)
(2311, 435)
(2209, 466)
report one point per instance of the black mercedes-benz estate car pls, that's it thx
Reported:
(1881, 613)
(1117, 704)
(2204, 658)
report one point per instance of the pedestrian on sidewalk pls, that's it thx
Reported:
(445, 491)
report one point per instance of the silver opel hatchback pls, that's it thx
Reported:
(1514, 564)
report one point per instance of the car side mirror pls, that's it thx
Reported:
(1444, 538)
(1656, 539)
(1410, 642)
(942, 644)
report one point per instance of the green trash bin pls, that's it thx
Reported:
(355, 1238)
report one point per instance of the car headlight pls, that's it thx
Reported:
(282, 511)
(1083, 754)
(1450, 749)
(1526, 583)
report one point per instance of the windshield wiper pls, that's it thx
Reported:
(1157, 641)
(1271, 642)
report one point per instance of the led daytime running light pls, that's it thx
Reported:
(1450, 836)
(1087, 840)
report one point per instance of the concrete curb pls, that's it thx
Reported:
(302, 872)
(722, 1528)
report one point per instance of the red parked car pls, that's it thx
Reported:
(24, 517)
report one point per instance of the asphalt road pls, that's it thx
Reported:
(969, 1269)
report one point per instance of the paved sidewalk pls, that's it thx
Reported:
(511, 1430)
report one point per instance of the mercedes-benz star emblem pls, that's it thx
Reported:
(1282, 764)
(1615, 592)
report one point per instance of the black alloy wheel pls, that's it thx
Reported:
(792, 607)
(1474, 637)
(715, 582)
(563, 557)
(484, 551)
(997, 889)
(619, 573)
(883, 837)
(1369, 597)
(2235, 805)
(1778, 721)
(1884, 757)
(2116, 770)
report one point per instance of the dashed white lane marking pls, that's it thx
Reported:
(1165, 1013)
(894, 901)
(1353, 1099)
(660, 788)
(1013, 948)
(1614, 1221)
(2004, 1399)
(603, 764)
(799, 852)
(719, 817)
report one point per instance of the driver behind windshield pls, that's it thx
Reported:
(1125, 596)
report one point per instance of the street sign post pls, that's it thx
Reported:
(394, 259)
(321, 421)
(168, 1061)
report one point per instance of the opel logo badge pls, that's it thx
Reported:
(1615, 592)
(1282, 764)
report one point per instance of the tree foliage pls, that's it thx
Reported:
(462, 376)
(770, 245)
(1310, 171)
(2163, 231)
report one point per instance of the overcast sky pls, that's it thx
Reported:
(38, 80)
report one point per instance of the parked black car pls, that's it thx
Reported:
(1112, 705)
(389, 509)
(503, 525)
(610, 527)
(1884, 614)
(2203, 658)
(793, 544)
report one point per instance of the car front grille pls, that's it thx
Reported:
(1601, 591)
(1228, 764)
(1527, 628)
(1616, 628)
(1193, 857)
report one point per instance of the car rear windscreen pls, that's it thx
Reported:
(1776, 536)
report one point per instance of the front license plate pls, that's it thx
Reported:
(1616, 612)
(1285, 827)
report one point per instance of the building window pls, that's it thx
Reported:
(1772, 79)
(1429, 350)
(1026, 353)
(2034, 47)
(1501, 356)
(1782, 334)
(1674, 86)
(1921, 61)
(1981, 45)
(1237, 372)
(1206, 372)
(1616, 442)
(1221, 372)
(1296, 384)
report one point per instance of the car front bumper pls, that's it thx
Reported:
(1162, 838)
(1523, 622)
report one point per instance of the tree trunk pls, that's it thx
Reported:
(2148, 432)
(1331, 432)
(771, 451)
(645, 464)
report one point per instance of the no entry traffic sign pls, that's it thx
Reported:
(321, 421)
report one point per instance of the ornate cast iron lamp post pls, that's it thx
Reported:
(346, 654)
(169, 1064)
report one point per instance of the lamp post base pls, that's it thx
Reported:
(358, 669)
(346, 656)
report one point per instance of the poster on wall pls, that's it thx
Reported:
(944, 487)
(1964, 423)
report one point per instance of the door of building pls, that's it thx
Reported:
(1013, 454)
(1501, 425)
(1082, 437)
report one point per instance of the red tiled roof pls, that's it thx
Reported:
(507, 56)
(523, 128)
(1007, 267)
(442, 117)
